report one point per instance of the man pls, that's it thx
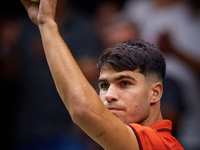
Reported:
(130, 91)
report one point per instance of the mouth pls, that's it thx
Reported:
(114, 110)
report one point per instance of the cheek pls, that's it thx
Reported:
(137, 97)
(137, 113)
(137, 107)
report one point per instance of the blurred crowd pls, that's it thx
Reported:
(34, 117)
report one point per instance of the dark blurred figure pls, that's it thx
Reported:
(118, 30)
(103, 16)
(9, 76)
(104, 12)
(195, 5)
(42, 121)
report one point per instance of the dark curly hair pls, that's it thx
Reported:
(132, 55)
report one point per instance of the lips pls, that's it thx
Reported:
(114, 109)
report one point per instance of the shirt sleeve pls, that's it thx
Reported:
(152, 139)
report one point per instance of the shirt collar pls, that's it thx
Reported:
(163, 125)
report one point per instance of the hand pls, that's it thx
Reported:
(165, 44)
(41, 13)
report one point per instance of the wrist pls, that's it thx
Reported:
(51, 25)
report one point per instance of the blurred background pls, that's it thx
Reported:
(34, 117)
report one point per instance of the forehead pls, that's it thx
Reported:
(110, 74)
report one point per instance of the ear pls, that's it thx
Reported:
(156, 91)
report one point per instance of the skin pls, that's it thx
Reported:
(128, 94)
(81, 100)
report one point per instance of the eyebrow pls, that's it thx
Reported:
(117, 79)
(102, 80)
(125, 76)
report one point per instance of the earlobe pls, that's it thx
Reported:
(157, 90)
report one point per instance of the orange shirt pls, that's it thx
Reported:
(156, 137)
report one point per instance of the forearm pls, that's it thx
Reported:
(73, 88)
(80, 99)
(68, 78)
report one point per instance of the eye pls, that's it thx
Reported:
(125, 83)
(104, 86)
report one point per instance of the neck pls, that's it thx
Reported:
(155, 115)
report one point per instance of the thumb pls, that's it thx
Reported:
(32, 9)
(26, 3)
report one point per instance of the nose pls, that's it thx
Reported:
(112, 94)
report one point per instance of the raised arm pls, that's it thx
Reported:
(80, 99)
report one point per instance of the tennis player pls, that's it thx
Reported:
(126, 114)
